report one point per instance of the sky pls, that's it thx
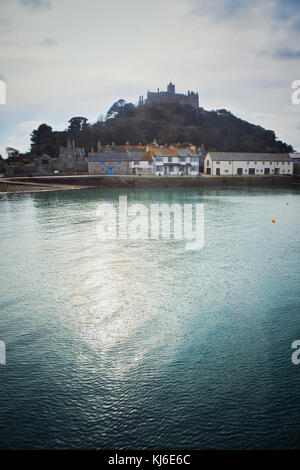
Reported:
(64, 58)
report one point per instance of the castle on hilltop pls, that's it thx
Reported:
(169, 96)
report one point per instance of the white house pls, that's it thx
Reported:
(231, 163)
(173, 161)
(141, 165)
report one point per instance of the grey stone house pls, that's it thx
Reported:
(71, 160)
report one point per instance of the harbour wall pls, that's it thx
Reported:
(155, 181)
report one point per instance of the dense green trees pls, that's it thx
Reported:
(169, 123)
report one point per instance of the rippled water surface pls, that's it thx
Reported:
(141, 344)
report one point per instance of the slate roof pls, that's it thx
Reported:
(241, 156)
(117, 157)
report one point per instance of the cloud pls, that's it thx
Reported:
(37, 4)
(4, 25)
(287, 11)
(28, 126)
(287, 53)
(295, 25)
(48, 42)
(219, 8)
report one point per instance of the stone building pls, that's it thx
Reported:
(71, 160)
(108, 163)
(124, 160)
(169, 96)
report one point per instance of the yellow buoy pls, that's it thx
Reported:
(273, 221)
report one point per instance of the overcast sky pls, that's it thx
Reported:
(64, 58)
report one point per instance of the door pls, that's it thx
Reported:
(208, 171)
(218, 171)
(277, 171)
(240, 171)
(251, 171)
(267, 171)
(110, 170)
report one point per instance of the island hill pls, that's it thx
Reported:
(165, 134)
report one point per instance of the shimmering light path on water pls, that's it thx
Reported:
(141, 344)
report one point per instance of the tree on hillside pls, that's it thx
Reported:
(171, 123)
(120, 108)
(43, 140)
(12, 154)
(77, 124)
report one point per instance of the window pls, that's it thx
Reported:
(218, 163)
(207, 163)
(159, 159)
(194, 168)
(255, 163)
(119, 170)
(229, 163)
(226, 171)
(182, 159)
(170, 159)
(288, 163)
(282, 163)
(159, 168)
(136, 163)
(102, 169)
(283, 170)
(149, 163)
(194, 159)
(248, 163)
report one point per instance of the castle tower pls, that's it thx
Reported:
(171, 89)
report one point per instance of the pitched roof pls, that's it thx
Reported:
(107, 157)
(186, 153)
(244, 156)
(117, 157)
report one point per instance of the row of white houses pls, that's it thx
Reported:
(248, 164)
